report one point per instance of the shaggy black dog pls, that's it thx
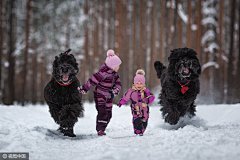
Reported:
(61, 93)
(180, 84)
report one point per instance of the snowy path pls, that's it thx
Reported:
(213, 134)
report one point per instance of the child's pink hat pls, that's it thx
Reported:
(139, 77)
(112, 60)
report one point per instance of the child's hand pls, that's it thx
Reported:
(145, 100)
(81, 90)
(119, 104)
(114, 92)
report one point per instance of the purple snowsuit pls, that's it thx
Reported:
(140, 111)
(105, 80)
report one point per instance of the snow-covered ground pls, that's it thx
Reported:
(213, 134)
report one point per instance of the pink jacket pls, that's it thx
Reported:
(139, 109)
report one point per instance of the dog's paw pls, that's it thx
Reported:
(172, 118)
(158, 65)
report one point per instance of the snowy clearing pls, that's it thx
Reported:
(213, 134)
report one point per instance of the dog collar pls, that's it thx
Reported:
(184, 87)
(62, 83)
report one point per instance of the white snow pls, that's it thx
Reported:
(182, 14)
(209, 64)
(213, 134)
(208, 36)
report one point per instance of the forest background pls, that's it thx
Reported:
(33, 32)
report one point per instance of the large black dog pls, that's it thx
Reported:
(61, 93)
(180, 84)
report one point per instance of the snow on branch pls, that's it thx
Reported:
(209, 64)
(184, 17)
(211, 47)
(210, 20)
(209, 35)
(181, 13)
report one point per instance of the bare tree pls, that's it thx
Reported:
(162, 32)
(238, 63)
(153, 46)
(25, 71)
(199, 29)
(117, 32)
(1, 46)
(9, 88)
(141, 40)
(170, 28)
(220, 71)
(230, 84)
(189, 29)
(134, 36)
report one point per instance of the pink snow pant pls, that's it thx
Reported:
(104, 108)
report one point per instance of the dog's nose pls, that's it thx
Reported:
(64, 69)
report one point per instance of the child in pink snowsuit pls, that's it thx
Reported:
(108, 85)
(140, 97)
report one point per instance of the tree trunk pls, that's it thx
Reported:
(230, 84)
(219, 72)
(162, 32)
(134, 37)
(1, 47)
(141, 40)
(238, 63)
(169, 40)
(189, 30)
(26, 53)
(102, 53)
(153, 47)
(43, 76)
(199, 30)
(96, 38)
(110, 25)
(118, 25)
(9, 88)
(34, 74)
(85, 60)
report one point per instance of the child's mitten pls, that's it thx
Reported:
(81, 90)
(114, 92)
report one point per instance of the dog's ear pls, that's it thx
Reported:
(76, 67)
(55, 65)
(199, 71)
(55, 62)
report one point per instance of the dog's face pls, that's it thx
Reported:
(184, 64)
(65, 68)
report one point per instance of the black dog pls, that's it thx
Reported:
(61, 93)
(180, 84)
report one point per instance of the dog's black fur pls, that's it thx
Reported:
(64, 102)
(183, 67)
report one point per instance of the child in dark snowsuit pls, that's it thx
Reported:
(108, 85)
(140, 97)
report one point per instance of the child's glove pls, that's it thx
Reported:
(119, 104)
(81, 90)
(114, 92)
(145, 100)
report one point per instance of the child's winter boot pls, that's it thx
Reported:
(101, 133)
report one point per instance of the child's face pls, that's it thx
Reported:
(117, 68)
(139, 86)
